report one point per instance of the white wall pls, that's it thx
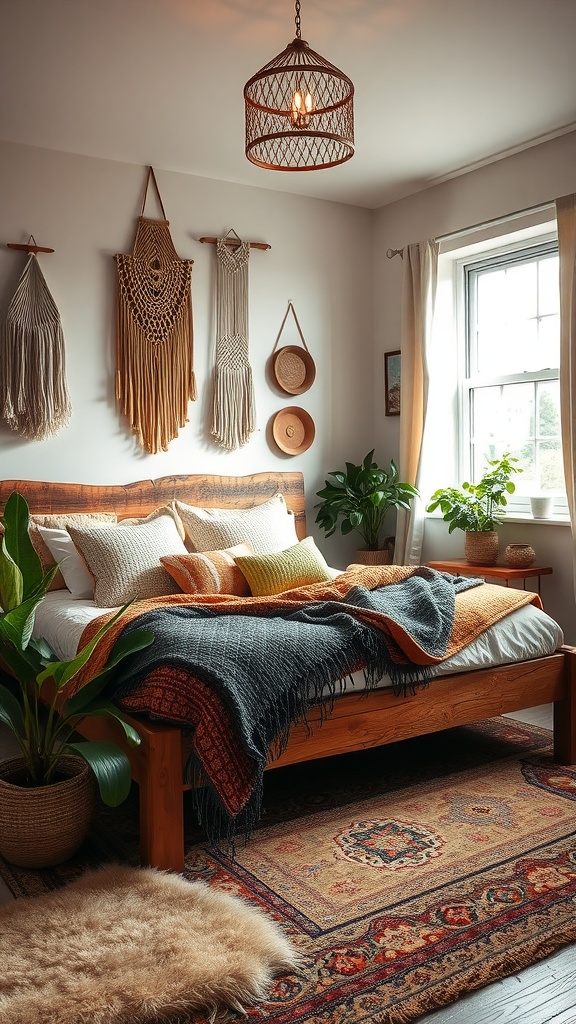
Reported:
(534, 177)
(86, 209)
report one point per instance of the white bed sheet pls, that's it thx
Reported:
(526, 633)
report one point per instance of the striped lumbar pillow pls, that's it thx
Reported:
(209, 572)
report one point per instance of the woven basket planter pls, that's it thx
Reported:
(481, 548)
(366, 556)
(45, 825)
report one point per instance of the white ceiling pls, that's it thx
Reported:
(441, 85)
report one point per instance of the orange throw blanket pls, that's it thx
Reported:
(476, 609)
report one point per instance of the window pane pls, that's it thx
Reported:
(521, 291)
(502, 421)
(491, 297)
(521, 353)
(549, 342)
(551, 476)
(514, 333)
(549, 297)
(548, 409)
(494, 350)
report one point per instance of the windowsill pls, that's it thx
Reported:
(517, 517)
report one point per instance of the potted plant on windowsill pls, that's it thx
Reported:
(476, 509)
(358, 499)
(47, 794)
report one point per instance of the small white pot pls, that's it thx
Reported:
(542, 507)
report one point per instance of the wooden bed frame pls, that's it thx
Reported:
(358, 721)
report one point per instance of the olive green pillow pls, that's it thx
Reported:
(296, 566)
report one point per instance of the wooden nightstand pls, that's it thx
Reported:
(459, 566)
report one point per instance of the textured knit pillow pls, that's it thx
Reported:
(59, 521)
(209, 572)
(124, 560)
(295, 567)
(161, 511)
(267, 527)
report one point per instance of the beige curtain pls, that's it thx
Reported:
(420, 270)
(566, 216)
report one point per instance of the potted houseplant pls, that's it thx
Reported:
(38, 825)
(476, 508)
(358, 499)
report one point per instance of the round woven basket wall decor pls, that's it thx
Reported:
(293, 430)
(293, 367)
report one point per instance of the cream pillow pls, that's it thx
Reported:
(297, 566)
(124, 560)
(63, 550)
(267, 527)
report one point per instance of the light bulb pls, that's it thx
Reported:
(302, 107)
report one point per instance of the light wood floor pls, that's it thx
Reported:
(542, 994)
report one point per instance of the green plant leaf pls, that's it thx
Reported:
(18, 544)
(110, 766)
(125, 645)
(106, 709)
(11, 581)
(361, 498)
(11, 711)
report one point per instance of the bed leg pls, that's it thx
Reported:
(565, 716)
(162, 803)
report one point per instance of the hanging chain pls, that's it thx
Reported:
(297, 19)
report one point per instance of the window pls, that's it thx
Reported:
(509, 385)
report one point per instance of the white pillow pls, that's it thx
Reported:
(269, 527)
(63, 550)
(124, 560)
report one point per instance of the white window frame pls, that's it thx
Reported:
(519, 503)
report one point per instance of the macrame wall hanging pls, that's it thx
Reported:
(233, 402)
(154, 355)
(34, 397)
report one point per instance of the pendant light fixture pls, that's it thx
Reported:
(299, 111)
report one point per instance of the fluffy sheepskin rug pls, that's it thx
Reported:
(126, 945)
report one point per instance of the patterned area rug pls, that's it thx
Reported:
(407, 876)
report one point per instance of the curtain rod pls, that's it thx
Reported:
(484, 224)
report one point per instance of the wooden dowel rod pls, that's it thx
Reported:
(235, 242)
(27, 247)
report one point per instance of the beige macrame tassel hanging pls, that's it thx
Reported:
(233, 403)
(155, 373)
(33, 392)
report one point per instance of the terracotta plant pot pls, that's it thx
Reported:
(481, 548)
(44, 825)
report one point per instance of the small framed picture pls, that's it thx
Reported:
(392, 382)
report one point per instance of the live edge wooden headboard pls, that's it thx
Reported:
(143, 496)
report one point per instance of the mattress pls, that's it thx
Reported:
(528, 632)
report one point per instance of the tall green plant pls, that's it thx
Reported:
(476, 508)
(359, 499)
(39, 714)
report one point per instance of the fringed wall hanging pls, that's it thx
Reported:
(233, 402)
(34, 397)
(154, 355)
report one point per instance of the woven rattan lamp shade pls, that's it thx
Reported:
(299, 111)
